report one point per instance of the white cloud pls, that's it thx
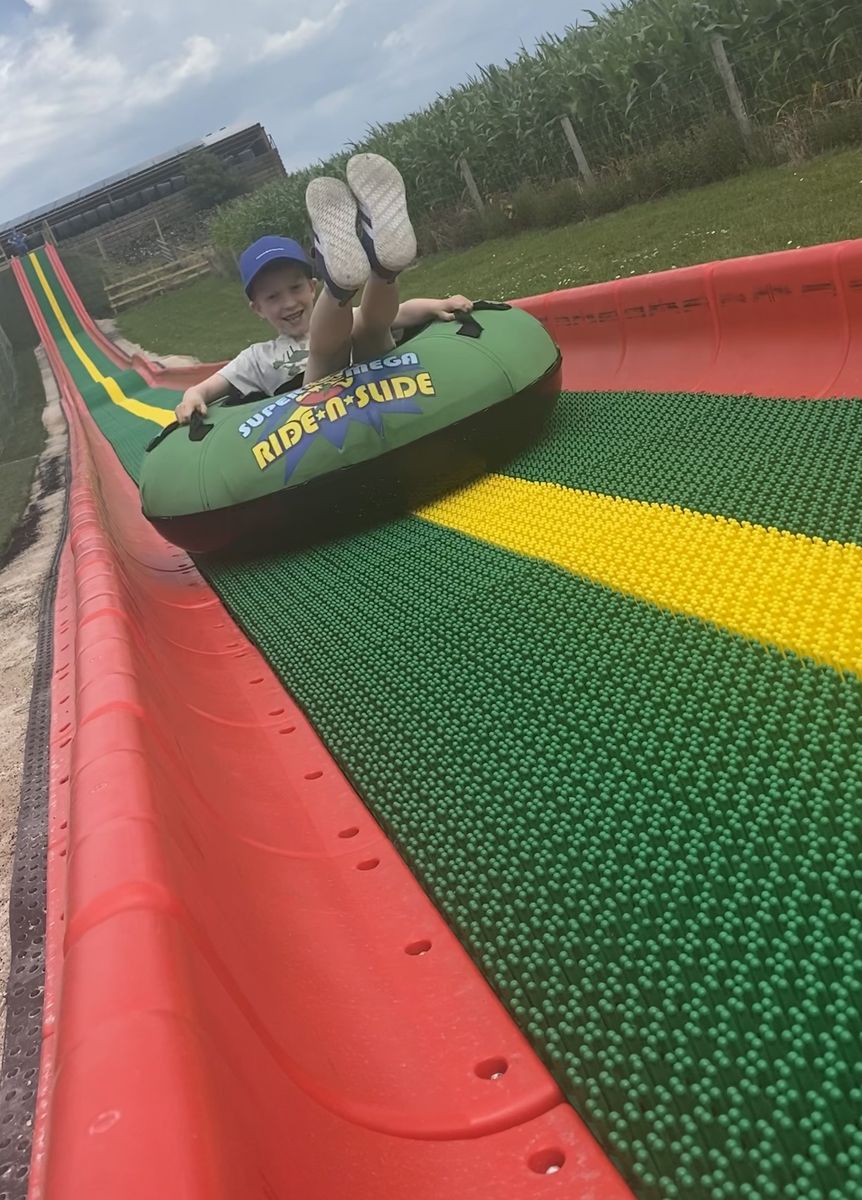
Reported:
(81, 90)
(92, 87)
(417, 37)
(334, 101)
(276, 45)
(197, 62)
(83, 71)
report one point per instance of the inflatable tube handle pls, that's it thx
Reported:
(198, 429)
(160, 437)
(470, 327)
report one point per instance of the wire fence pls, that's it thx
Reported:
(145, 240)
(622, 97)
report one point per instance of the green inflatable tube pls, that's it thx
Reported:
(450, 402)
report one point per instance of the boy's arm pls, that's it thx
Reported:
(417, 312)
(199, 395)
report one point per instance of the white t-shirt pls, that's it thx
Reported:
(265, 366)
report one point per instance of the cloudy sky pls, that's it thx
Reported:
(91, 87)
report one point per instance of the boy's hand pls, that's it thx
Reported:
(418, 312)
(191, 402)
(445, 310)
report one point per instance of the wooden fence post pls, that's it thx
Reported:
(475, 194)
(577, 149)
(734, 95)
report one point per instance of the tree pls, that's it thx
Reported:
(209, 181)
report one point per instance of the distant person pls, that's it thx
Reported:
(17, 242)
(362, 235)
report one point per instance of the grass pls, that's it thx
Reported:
(764, 210)
(25, 437)
(209, 318)
(768, 209)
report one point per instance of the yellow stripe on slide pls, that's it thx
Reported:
(161, 416)
(791, 591)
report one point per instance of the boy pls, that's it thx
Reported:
(320, 338)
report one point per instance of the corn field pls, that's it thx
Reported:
(639, 74)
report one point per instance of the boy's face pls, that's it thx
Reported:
(283, 295)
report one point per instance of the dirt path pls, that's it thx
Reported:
(22, 576)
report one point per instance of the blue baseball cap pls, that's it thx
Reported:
(270, 249)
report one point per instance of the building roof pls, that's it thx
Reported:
(211, 139)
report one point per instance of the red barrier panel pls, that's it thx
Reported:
(249, 994)
(785, 325)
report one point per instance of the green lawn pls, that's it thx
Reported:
(764, 210)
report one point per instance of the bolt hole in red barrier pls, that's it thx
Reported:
(492, 1068)
(547, 1162)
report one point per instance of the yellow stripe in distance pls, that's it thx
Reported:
(147, 412)
(785, 589)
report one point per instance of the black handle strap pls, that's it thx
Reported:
(198, 430)
(470, 327)
(198, 427)
(160, 437)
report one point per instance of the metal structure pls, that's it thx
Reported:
(248, 149)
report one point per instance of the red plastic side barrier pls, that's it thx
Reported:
(150, 369)
(785, 325)
(249, 994)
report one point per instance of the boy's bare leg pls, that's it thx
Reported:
(372, 325)
(343, 266)
(384, 245)
(388, 239)
(330, 337)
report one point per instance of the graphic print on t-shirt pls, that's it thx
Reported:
(295, 360)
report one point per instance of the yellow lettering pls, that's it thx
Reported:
(404, 387)
(276, 444)
(263, 454)
(290, 433)
(426, 387)
(335, 408)
(308, 419)
(375, 393)
(362, 396)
